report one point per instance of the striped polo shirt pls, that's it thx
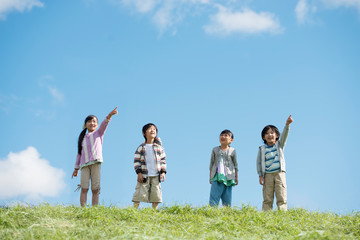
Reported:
(272, 163)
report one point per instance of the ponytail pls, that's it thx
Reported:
(83, 132)
(81, 138)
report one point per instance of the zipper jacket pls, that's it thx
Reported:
(230, 162)
(140, 161)
(92, 147)
(280, 145)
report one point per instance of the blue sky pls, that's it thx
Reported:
(194, 68)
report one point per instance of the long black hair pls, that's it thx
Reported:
(83, 132)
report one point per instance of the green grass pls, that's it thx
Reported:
(176, 222)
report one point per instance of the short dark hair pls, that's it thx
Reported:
(146, 127)
(272, 127)
(226, 131)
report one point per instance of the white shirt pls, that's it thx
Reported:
(150, 160)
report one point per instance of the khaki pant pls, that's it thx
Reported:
(150, 191)
(274, 182)
(92, 172)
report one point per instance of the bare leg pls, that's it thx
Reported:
(83, 197)
(136, 205)
(155, 205)
(95, 197)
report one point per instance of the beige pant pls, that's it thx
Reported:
(150, 191)
(92, 172)
(274, 182)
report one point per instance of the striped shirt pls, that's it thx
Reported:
(92, 147)
(272, 163)
(160, 158)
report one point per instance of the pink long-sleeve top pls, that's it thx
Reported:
(91, 152)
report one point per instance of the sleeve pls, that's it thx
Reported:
(163, 161)
(137, 160)
(77, 162)
(234, 159)
(258, 163)
(284, 136)
(212, 159)
(103, 126)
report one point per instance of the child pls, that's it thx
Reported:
(223, 170)
(150, 167)
(271, 166)
(89, 157)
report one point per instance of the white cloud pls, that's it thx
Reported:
(7, 6)
(301, 11)
(163, 13)
(48, 81)
(227, 22)
(145, 6)
(304, 10)
(342, 3)
(26, 174)
(167, 14)
(164, 16)
(142, 6)
(56, 94)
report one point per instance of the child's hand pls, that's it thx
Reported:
(140, 178)
(162, 177)
(261, 180)
(75, 173)
(289, 120)
(112, 113)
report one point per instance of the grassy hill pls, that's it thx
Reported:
(176, 222)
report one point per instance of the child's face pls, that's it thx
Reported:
(225, 139)
(270, 137)
(91, 125)
(150, 132)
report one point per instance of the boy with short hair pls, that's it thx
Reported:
(271, 166)
(150, 167)
(223, 170)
